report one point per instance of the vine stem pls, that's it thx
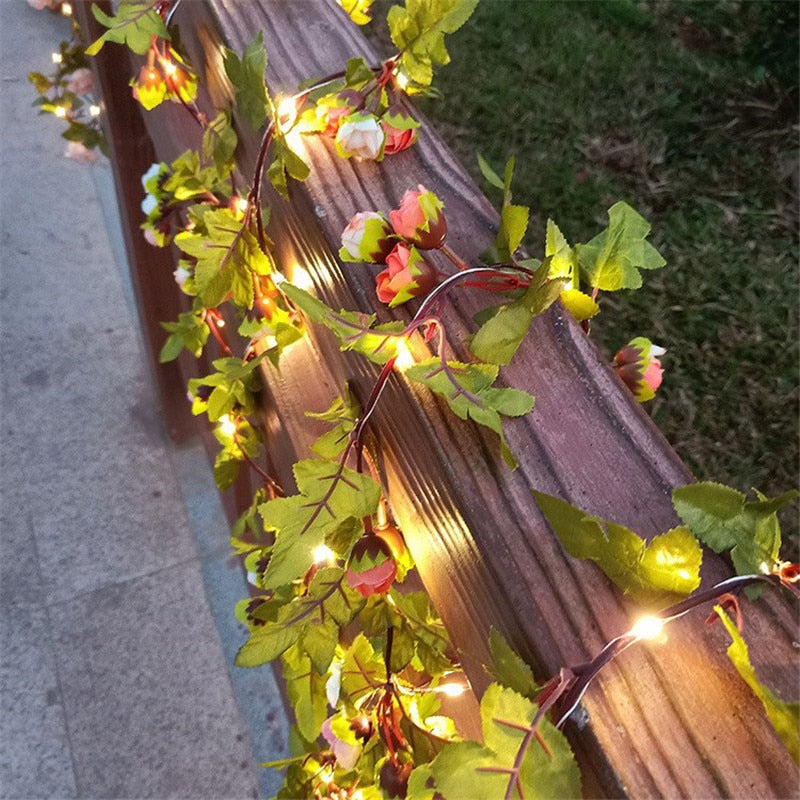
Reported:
(275, 488)
(583, 674)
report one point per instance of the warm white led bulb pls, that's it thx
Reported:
(227, 425)
(647, 628)
(66, 9)
(60, 112)
(452, 689)
(404, 359)
(324, 555)
(57, 58)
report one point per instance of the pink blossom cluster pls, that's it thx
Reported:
(418, 224)
(362, 134)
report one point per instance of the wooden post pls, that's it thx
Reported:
(668, 720)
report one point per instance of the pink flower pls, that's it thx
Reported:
(400, 128)
(372, 568)
(40, 4)
(81, 81)
(332, 109)
(639, 367)
(367, 237)
(407, 275)
(360, 135)
(420, 220)
(77, 151)
(346, 753)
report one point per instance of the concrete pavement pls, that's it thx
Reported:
(117, 591)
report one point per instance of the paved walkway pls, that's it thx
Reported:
(117, 591)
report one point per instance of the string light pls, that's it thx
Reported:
(452, 689)
(66, 9)
(169, 68)
(301, 278)
(647, 628)
(60, 112)
(402, 81)
(226, 425)
(241, 204)
(405, 358)
(287, 113)
(58, 58)
(324, 556)
(94, 110)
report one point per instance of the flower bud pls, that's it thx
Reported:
(149, 87)
(638, 365)
(407, 275)
(333, 108)
(360, 135)
(78, 151)
(81, 81)
(367, 237)
(420, 220)
(372, 568)
(400, 129)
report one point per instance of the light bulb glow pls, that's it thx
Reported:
(57, 58)
(169, 68)
(94, 110)
(66, 9)
(302, 279)
(401, 79)
(287, 113)
(242, 204)
(226, 425)
(405, 358)
(61, 112)
(452, 689)
(647, 628)
(323, 555)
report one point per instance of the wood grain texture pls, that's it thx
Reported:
(665, 720)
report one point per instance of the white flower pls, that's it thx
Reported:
(80, 153)
(360, 135)
(149, 204)
(181, 274)
(81, 81)
(151, 173)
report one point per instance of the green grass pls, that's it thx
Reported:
(684, 111)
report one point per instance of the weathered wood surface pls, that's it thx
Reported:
(670, 720)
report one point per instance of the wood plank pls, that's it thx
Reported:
(665, 720)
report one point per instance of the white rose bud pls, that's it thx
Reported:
(360, 135)
(81, 81)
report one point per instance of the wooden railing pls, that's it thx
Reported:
(667, 720)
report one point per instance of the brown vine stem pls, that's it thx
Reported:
(583, 674)
(276, 490)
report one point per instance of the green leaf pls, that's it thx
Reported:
(353, 329)
(134, 25)
(469, 393)
(669, 564)
(190, 331)
(219, 143)
(612, 259)
(358, 11)
(305, 688)
(285, 164)
(328, 497)
(486, 768)
(418, 32)
(491, 176)
(499, 338)
(508, 669)
(228, 256)
(784, 717)
(722, 518)
(265, 644)
(358, 73)
(247, 77)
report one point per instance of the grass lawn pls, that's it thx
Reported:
(687, 111)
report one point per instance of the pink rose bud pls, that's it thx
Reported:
(367, 237)
(400, 128)
(372, 568)
(420, 220)
(333, 109)
(149, 87)
(80, 153)
(81, 81)
(407, 275)
(360, 135)
(638, 365)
